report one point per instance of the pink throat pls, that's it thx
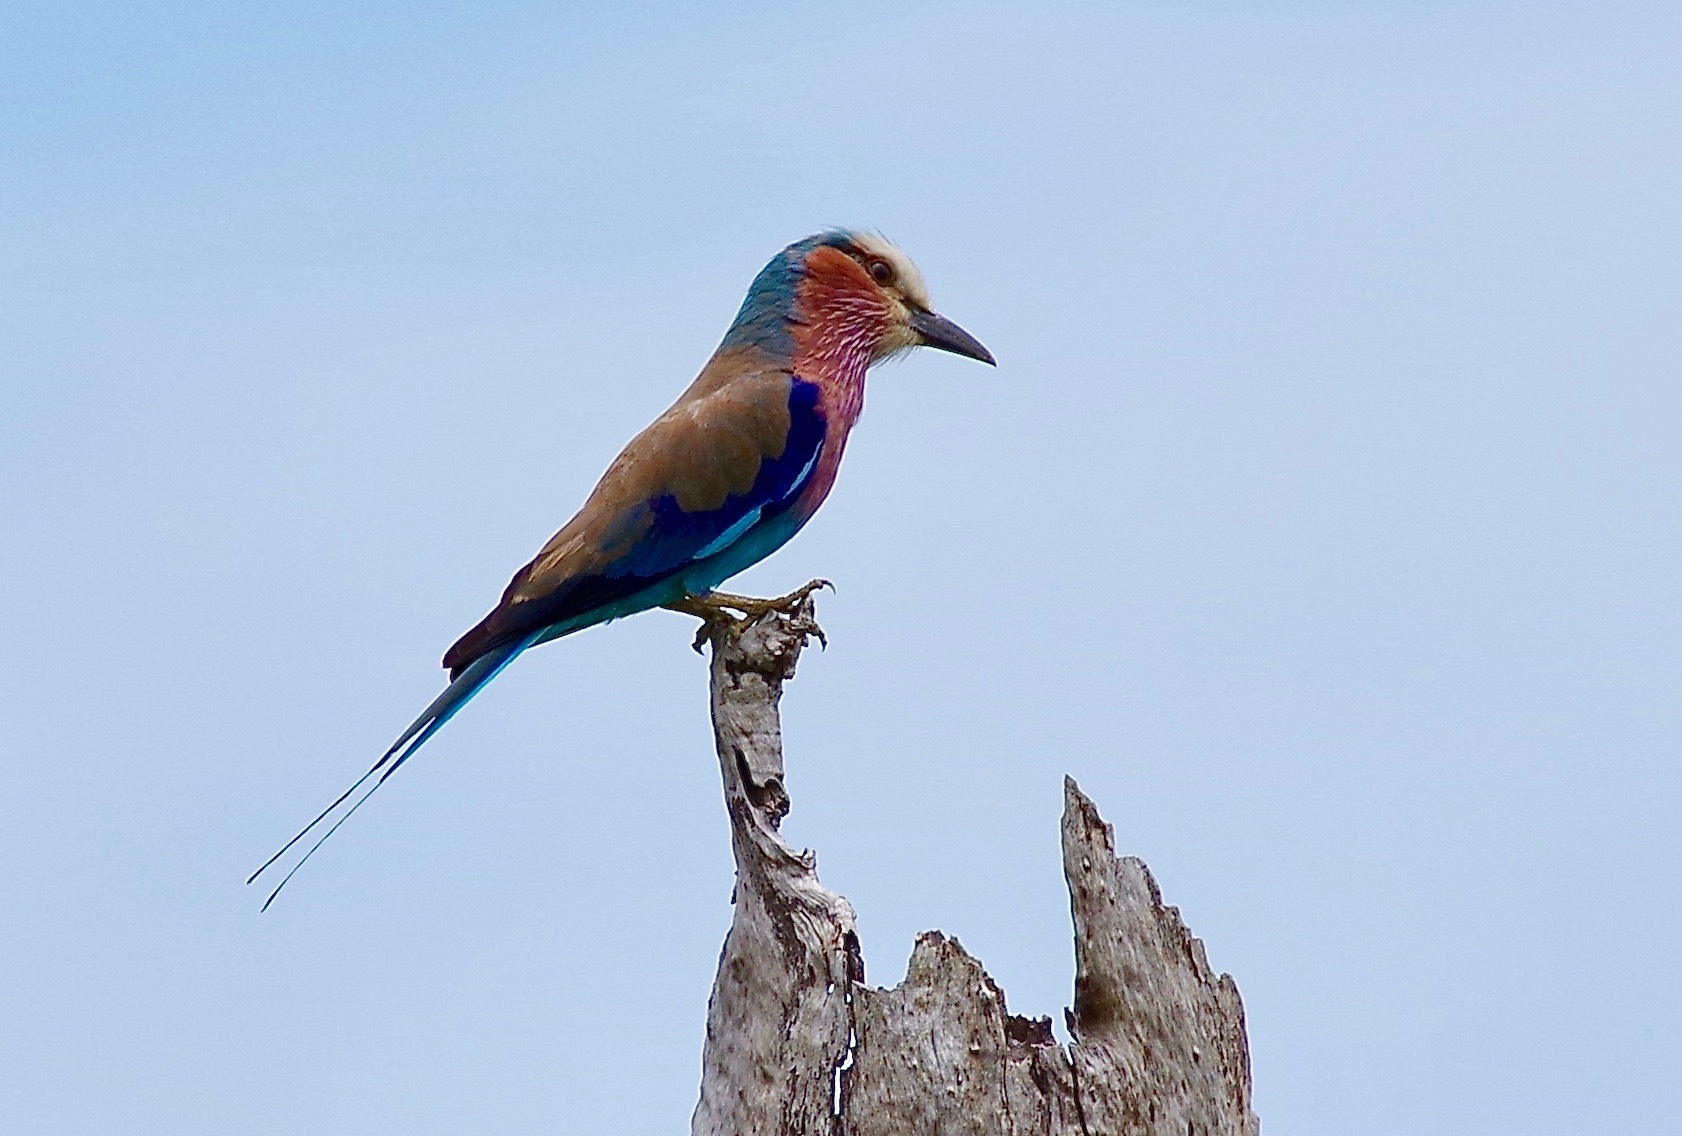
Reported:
(835, 351)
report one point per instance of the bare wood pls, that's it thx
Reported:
(939, 1053)
(778, 1026)
(1160, 1045)
(797, 1044)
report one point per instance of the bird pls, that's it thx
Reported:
(721, 480)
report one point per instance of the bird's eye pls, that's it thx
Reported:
(881, 271)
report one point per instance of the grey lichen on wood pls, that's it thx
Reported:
(797, 1045)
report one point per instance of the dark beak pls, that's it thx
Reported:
(942, 333)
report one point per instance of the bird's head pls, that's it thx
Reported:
(847, 291)
(889, 276)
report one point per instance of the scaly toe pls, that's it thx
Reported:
(717, 610)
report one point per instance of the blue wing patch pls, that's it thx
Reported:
(673, 538)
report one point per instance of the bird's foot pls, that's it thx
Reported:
(724, 611)
(753, 606)
(714, 618)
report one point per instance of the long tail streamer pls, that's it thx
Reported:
(470, 682)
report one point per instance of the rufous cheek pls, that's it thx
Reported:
(836, 288)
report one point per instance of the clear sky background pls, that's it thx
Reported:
(1321, 518)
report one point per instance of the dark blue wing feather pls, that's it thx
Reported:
(674, 538)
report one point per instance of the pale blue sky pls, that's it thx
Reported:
(1321, 518)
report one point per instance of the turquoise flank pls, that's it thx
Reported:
(702, 577)
(755, 545)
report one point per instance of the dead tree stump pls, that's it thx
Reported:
(798, 1045)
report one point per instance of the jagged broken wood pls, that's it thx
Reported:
(798, 1045)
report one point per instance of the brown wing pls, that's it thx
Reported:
(678, 486)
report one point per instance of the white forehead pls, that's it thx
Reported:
(906, 276)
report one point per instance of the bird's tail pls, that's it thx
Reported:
(462, 688)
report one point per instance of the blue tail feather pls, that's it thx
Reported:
(461, 690)
(458, 694)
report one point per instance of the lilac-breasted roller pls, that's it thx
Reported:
(718, 482)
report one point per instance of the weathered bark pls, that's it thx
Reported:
(1159, 1037)
(797, 1045)
(939, 1053)
(779, 1025)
